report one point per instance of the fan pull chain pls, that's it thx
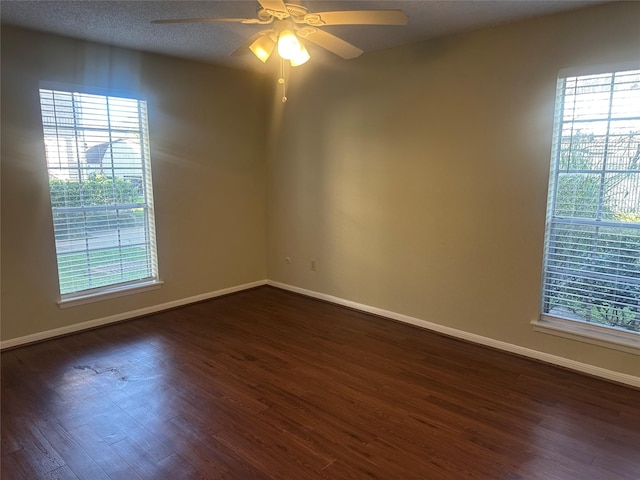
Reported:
(282, 81)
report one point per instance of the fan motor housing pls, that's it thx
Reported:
(296, 12)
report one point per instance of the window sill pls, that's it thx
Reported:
(108, 293)
(628, 342)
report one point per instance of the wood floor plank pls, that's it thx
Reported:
(211, 455)
(103, 454)
(265, 384)
(175, 467)
(137, 459)
(71, 450)
(37, 452)
(62, 473)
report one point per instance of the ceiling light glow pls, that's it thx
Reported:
(300, 57)
(288, 45)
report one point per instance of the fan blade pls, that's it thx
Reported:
(333, 44)
(209, 20)
(275, 5)
(359, 17)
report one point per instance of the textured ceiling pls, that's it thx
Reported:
(127, 23)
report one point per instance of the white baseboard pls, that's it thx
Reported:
(77, 327)
(471, 337)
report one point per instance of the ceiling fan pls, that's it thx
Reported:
(289, 23)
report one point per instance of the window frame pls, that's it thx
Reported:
(575, 329)
(120, 288)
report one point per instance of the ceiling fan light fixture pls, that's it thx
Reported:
(288, 45)
(291, 22)
(302, 56)
(263, 47)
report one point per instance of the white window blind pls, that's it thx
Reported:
(97, 153)
(592, 244)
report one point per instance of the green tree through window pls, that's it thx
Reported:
(592, 248)
(100, 185)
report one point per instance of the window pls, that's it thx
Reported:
(592, 244)
(97, 154)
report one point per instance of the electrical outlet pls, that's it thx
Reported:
(313, 265)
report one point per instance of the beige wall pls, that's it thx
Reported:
(417, 177)
(208, 136)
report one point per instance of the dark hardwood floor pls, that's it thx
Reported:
(265, 384)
